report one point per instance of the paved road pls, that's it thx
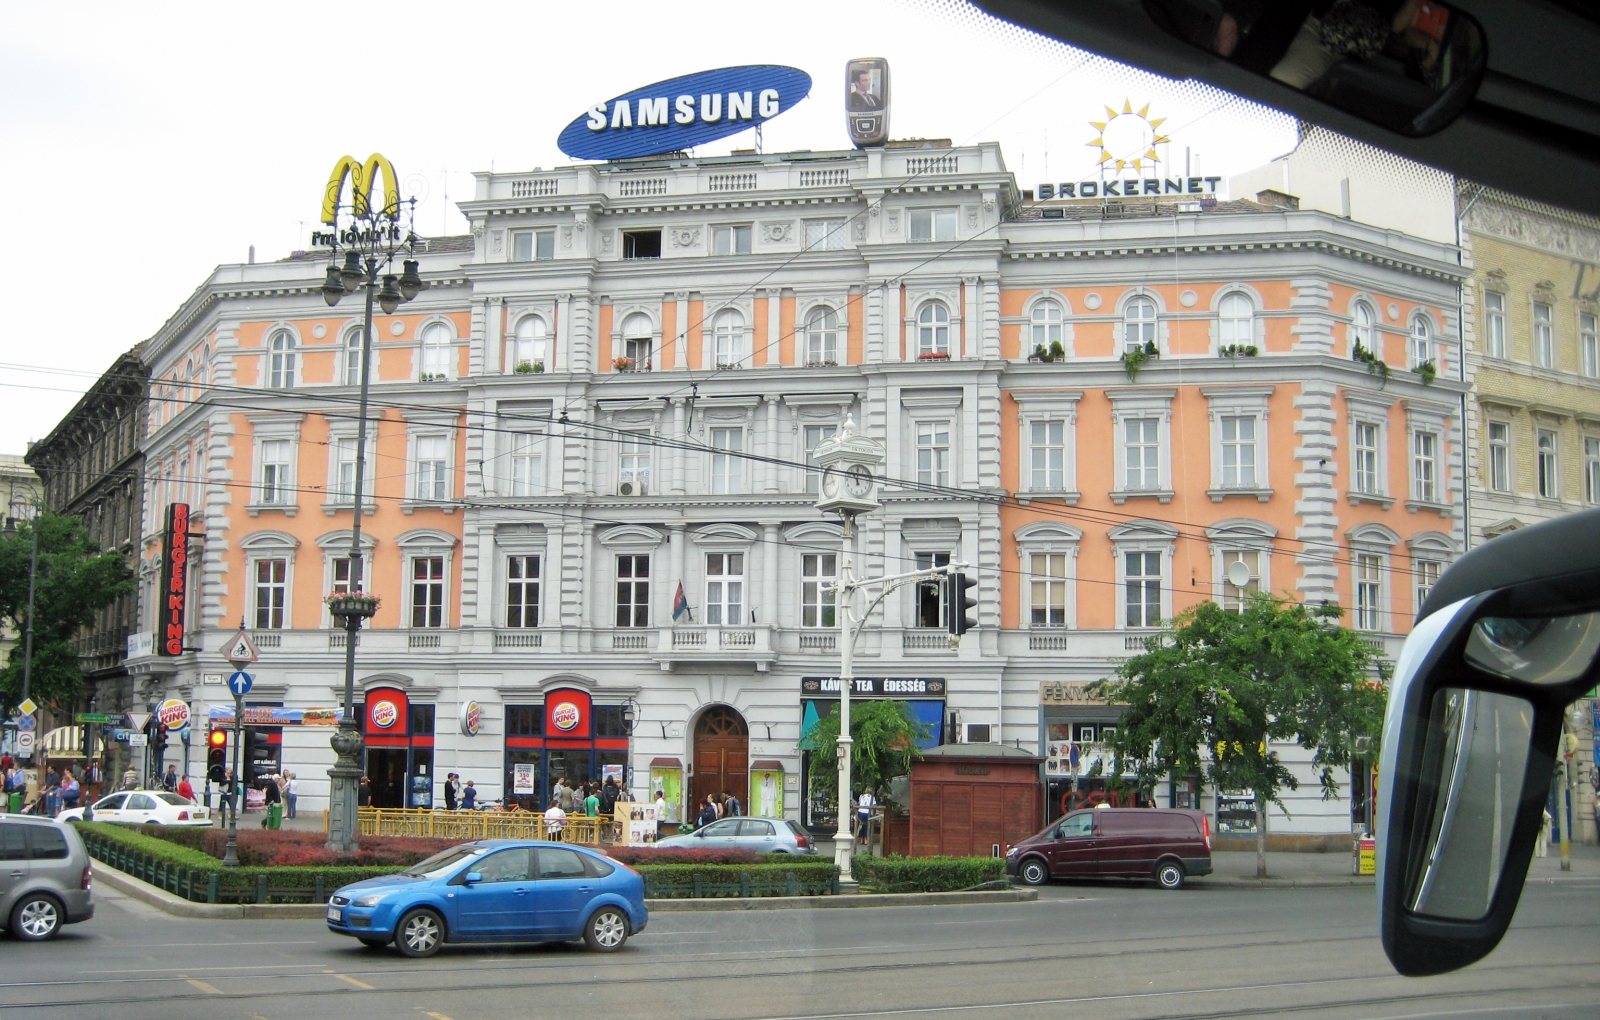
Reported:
(1081, 951)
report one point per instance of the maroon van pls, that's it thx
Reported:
(1164, 844)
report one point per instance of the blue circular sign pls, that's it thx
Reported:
(239, 683)
(682, 112)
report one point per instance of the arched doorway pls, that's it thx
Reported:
(721, 756)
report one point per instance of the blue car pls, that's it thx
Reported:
(496, 890)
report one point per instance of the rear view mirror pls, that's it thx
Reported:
(1411, 68)
(1509, 638)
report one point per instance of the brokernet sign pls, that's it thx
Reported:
(682, 112)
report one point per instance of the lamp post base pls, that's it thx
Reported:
(344, 781)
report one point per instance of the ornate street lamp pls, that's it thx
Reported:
(372, 236)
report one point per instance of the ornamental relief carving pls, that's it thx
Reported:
(1532, 228)
(686, 237)
(778, 233)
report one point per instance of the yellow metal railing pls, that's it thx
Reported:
(467, 825)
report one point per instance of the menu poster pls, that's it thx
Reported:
(636, 823)
(523, 779)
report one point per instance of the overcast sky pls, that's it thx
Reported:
(149, 143)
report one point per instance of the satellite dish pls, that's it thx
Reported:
(1239, 574)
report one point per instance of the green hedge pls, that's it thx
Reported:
(698, 881)
(201, 878)
(927, 874)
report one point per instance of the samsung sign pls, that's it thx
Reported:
(682, 112)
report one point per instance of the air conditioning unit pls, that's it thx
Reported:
(630, 488)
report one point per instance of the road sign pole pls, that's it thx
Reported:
(241, 652)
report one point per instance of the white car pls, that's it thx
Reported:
(143, 807)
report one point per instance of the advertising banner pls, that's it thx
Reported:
(222, 716)
(636, 823)
(766, 793)
(174, 584)
(668, 782)
(524, 779)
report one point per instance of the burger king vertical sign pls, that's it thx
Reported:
(566, 713)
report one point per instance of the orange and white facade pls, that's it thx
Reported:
(610, 390)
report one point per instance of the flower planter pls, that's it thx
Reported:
(352, 604)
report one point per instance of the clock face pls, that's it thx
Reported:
(858, 482)
(830, 483)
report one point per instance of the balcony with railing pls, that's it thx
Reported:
(714, 644)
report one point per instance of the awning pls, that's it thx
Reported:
(767, 765)
(64, 742)
(665, 763)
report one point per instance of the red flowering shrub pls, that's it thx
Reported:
(296, 848)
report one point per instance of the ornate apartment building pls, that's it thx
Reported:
(609, 393)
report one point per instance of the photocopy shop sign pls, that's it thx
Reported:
(682, 112)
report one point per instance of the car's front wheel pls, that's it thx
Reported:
(606, 931)
(420, 933)
(1033, 871)
(1170, 874)
(35, 918)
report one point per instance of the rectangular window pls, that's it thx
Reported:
(1548, 482)
(1591, 470)
(725, 589)
(933, 453)
(427, 591)
(1364, 475)
(731, 240)
(1425, 467)
(527, 464)
(633, 591)
(1141, 437)
(1047, 453)
(274, 488)
(633, 462)
(1048, 576)
(1494, 332)
(1369, 591)
(815, 434)
(1234, 598)
(824, 235)
(524, 720)
(342, 487)
(1238, 452)
(522, 591)
(1588, 345)
(1500, 456)
(1425, 574)
(1143, 579)
(433, 463)
(930, 594)
(423, 718)
(1543, 336)
(727, 467)
(817, 571)
(527, 245)
(272, 593)
(341, 575)
(641, 244)
(933, 224)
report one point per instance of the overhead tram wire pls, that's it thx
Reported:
(615, 435)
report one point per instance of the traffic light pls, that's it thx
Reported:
(217, 756)
(959, 601)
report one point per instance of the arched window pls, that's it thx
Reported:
(1364, 330)
(822, 337)
(280, 360)
(1421, 347)
(727, 339)
(1138, 324)
(436, 351)
(189, 390)
(530, 345)
(637, 333)
(1236, 321)
(933, 331)
(351, 360)
(1046, 329)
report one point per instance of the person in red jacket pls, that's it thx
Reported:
(185, 789)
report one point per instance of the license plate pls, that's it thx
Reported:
(335, 914)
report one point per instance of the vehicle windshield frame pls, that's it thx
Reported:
(434, 867)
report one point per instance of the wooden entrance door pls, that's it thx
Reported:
(721, 756)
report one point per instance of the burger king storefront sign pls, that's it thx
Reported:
(567, 737)
(399, 749)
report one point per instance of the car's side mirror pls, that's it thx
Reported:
(1470, 738)
(472, 878)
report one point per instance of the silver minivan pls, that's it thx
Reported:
(44, 877)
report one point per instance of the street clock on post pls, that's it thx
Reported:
(849, 462)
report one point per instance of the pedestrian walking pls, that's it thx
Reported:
(169, 782)
(469, 797)
(364, 793)
(731, 806)
(452, 791)
(185, 789)
(274, 803)
(291, 793)
(230, 799)
(864, 805)
(609, 795)
(130, 779)
(591, 804)
(555, 820)
(708, 813)
(564, 795)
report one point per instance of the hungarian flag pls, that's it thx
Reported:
(680, 603)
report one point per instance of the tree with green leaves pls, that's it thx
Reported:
(75, 580)
(1211, 695)
(885, 735)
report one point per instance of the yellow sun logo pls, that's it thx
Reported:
(1128, 138)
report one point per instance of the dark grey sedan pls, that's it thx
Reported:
(763, 835)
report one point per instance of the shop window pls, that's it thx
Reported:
(421, 719)
(641, 244)
(524, 720)
(608, 721)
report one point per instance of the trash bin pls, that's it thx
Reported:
(15, 803)
(1364, 858)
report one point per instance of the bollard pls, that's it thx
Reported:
(211, 888)
(321, 892)
(261, 888)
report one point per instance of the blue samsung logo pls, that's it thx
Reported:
(682, 112)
